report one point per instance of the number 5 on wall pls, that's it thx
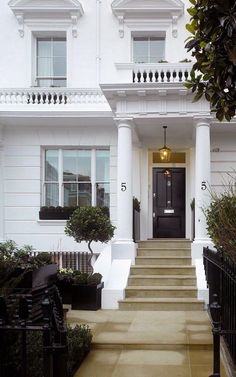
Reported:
(123, 186)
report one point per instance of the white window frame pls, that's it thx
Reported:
(93, 181)
(147, 34)
(49, 37)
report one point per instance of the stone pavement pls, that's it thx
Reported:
(147, 343)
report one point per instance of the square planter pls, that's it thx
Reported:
(86, 297)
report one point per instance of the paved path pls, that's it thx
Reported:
(147, 343)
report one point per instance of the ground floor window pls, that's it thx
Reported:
(76, 177)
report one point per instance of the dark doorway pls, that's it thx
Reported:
(169, 203)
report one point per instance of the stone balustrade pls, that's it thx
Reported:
(155, 72)
(50, 96)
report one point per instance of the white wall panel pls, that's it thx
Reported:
(22, 161)
(22, 199)
(19, 186)
(21, 213)
(20, 173)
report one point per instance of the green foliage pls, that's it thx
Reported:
(221, 222)
(78, 339)
(14, 258)
(89, 224)
(213, 44)
(77, 277)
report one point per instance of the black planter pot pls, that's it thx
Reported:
(65, 289)
(43, 276)
(86, 297)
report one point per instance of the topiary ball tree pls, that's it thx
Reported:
(89, 224)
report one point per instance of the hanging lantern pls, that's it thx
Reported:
(165, 152)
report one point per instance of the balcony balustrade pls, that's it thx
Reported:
(155, 72)
(50, 96)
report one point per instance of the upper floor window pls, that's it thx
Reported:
(76, 177)
(51, 62)
(148, 49)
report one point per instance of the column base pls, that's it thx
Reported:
(197, 261)
(123, 249)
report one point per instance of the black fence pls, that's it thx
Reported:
(221, 279)
(38, 312)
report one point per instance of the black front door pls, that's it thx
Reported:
(168, 202)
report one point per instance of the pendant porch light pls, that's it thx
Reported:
(165, 152)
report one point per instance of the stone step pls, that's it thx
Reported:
(160, 292)
(158, 251)
(165, 243)
(162, 280)
(162, 270)
(160, 304)
(167, 260)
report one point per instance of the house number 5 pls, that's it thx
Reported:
(203, 186)
(123, 186)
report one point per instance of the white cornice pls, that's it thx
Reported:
(127, 11)
(62, 10)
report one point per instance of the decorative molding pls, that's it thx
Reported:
(20, 20)
(30, 11)
(140, 12)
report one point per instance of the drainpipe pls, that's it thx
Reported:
(98, 39)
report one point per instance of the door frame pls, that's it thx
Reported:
(189, 171)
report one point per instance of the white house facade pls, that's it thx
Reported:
(85, 90)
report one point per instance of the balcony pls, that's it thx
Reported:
(51, 97)
(154, 72)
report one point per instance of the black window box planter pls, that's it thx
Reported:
(61, 213)
(86, 296)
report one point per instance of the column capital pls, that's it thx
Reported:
(204, 120)
(123, 122)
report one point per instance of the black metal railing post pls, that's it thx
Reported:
(215, 310)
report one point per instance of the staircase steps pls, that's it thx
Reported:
(162, 278)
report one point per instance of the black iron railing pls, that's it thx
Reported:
(221, 279)
(25, 312)
(136, 225)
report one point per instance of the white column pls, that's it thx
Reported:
(124, 247)
(202, 178)
(202, 200)
(1, 187)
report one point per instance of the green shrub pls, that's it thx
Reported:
(78, 339)
(89, 224)
(221, 222)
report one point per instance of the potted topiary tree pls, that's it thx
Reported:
(88, 224)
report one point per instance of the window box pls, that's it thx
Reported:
(56, 213)
(60, 213)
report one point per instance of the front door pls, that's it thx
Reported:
(168, 202)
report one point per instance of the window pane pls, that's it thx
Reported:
(44, 48)
(69, 165)
(44, 83)
(51, 165)
(84, 165)
(103, 194)
(156, 50)
(102, 166)
(59, 82)
(85, 195)
(140, 50)
(59, 47)
(59, 66)
(51, 194)
(70, 194)
(44, 67)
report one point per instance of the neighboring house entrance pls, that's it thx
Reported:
(168, 203)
